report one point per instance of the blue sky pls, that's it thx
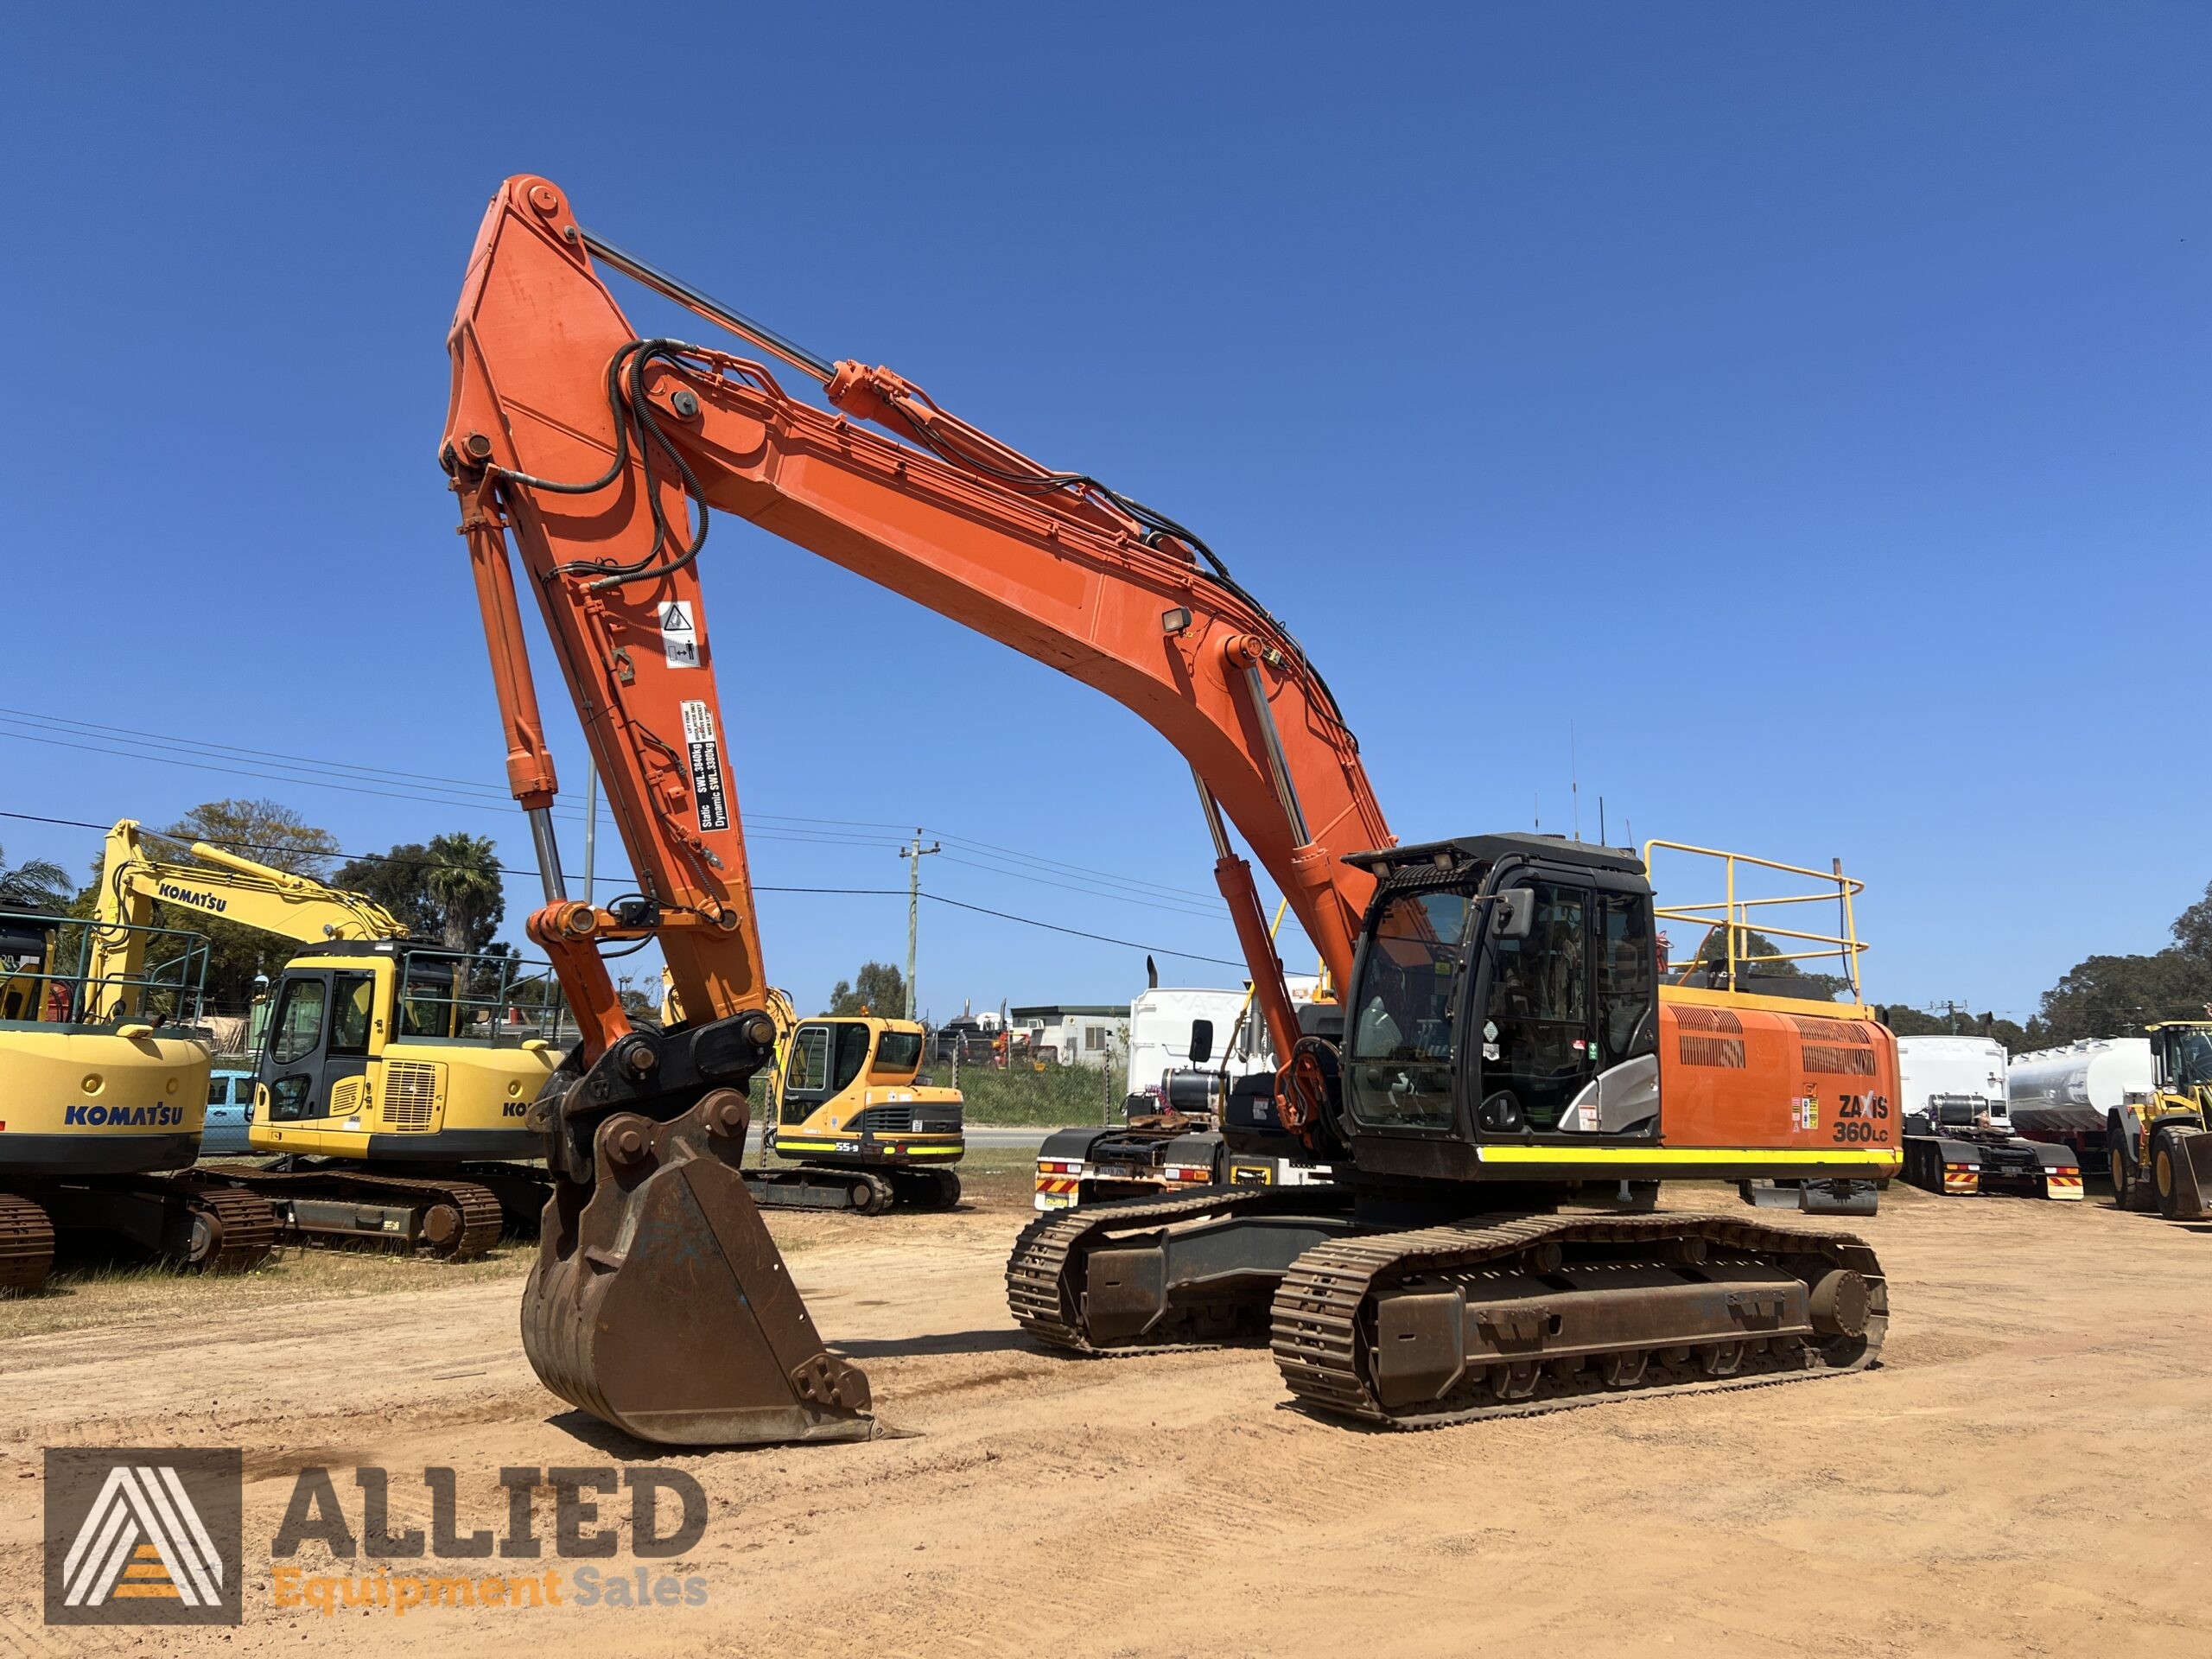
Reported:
(1805, 406)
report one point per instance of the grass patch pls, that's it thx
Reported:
(1057, 1097)
(76, 1297)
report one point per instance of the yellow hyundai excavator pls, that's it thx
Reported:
(394, 1077)
(847, 1105)
(103, 1078)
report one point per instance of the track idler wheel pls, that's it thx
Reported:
(660, 1305)
(442, 1229)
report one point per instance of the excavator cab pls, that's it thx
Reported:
(380, 1049)
(1506, 990)
(852, 1099)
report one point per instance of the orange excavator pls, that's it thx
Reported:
(1501, 1040)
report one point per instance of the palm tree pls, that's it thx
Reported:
(34, 884)
(463, 882)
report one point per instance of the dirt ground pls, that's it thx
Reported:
(2021, 1475)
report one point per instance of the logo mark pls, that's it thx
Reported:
(142, 1535)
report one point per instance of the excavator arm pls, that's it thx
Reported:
(223, 884)
(602, 457)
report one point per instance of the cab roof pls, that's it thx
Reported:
(1445, 856)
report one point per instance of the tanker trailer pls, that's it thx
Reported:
(2067, 1096)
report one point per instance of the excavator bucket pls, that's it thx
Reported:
(660, 1305)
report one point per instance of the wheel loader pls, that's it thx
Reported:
(2160, 1148)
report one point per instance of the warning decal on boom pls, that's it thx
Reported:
(679, 640)
(706, 765)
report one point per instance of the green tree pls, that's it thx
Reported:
(265, 831)
(2192, 929)
(268, 833)
(449, 891)
(399, 881)
(2114, 996)
(462, 880)
(879, 987)
(34, 884)
(1927, 1022)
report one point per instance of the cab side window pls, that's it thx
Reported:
(298, 1025)
(1539, 1009)
(852, 1054)
(1626, 974)
(351, 998)
(809, 1071)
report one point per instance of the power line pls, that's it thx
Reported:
(93, 737)
(879, 893)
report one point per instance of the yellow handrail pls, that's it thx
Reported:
(1733, 919)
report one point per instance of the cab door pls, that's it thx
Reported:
(314, 1060)
(1568, 1037)
(1539, 1030)
(828, 1057)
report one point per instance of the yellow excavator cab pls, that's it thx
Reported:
(850, 1091)
(846, 1103)
(398, 1052)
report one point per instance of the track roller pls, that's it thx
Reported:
(926, 1189)
(445, 1217)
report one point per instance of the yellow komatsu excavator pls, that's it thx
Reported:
(847, 1106)
(393, 1080)
(103, 1076)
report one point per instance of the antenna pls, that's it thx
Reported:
(1601, 821)
(1573, 780)
(1537, 809)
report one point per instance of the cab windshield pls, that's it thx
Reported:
(1402, 1039)
(2192, 1057)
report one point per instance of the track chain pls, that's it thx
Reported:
(765, 1185)
(26, 1244)
(1319, 1316)
(482, 1222)
(1041, 1293)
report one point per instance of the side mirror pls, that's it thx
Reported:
(1515, 912)
(1201, 1041)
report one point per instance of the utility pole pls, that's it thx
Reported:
(914, 854)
